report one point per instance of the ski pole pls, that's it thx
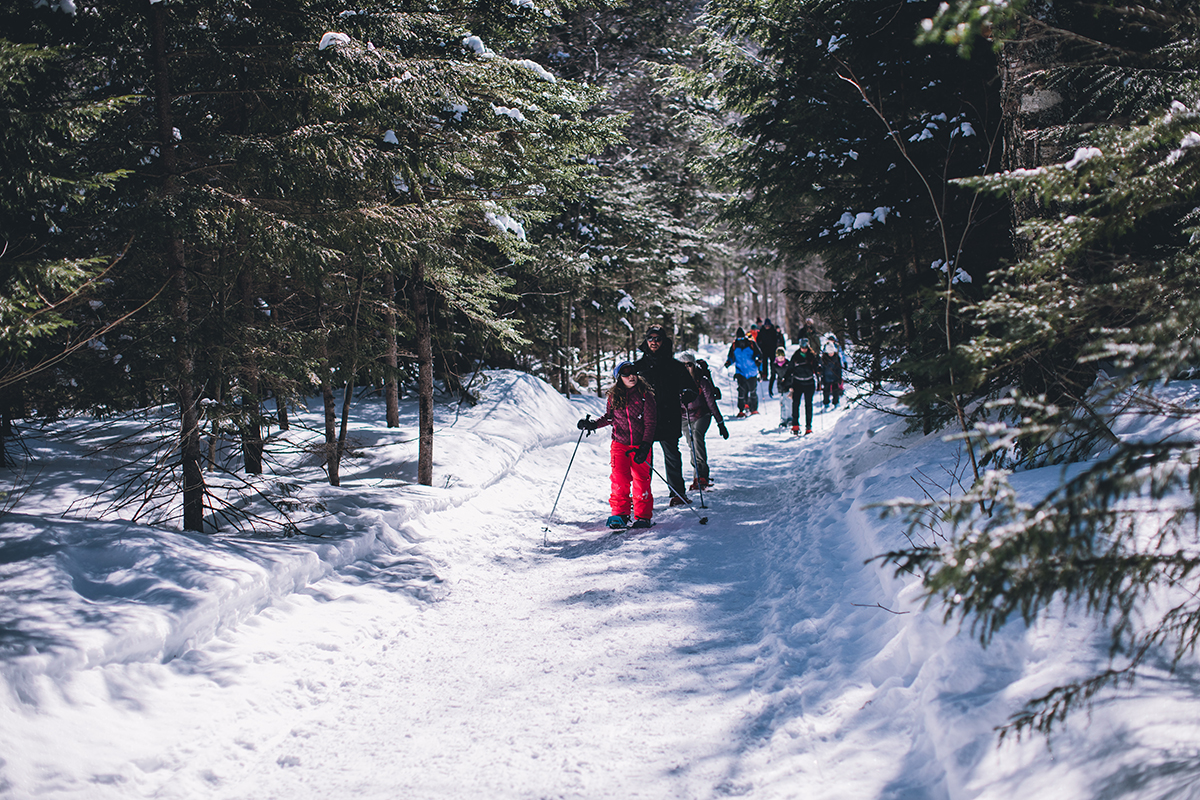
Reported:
(703, 520)
(546, 528)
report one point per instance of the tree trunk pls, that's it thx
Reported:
(348, 397)
(189, 422)
(333, 456)
(392, 357)
(252, 422)
(1033, 114)
(568, 365)
(420, 301)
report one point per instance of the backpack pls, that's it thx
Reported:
(704, 371)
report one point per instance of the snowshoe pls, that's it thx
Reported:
(618, 521)
(640, 523)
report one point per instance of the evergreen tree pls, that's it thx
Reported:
(48, 186)
(840, 140)
(292, 157)
(1097, 315)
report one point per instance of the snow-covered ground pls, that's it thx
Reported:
(454, 642)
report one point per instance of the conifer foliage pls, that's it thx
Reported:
(841, 139)
(286, 162)
(1096, 318)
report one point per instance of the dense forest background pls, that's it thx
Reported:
(219, 208)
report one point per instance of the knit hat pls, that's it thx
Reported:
(741, 333)
(687, 358)
(779, 351)
(803, 343)
(617, 369)
(656, 330)
(766, 322)
(830, 348)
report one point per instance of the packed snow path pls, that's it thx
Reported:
(469, 653)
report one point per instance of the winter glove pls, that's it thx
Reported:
(643, 452)
(687, 396)
(724, 431)
(586, 424)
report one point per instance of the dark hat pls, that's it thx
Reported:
(767, 321)
(741, 333)
(658, 330)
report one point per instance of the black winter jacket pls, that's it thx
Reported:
(801, 370)
(672, 384)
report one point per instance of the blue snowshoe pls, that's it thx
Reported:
(618, 521)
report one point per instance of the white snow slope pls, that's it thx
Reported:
(451, 642)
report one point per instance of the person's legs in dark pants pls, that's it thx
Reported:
(743, 393)
(673, 467)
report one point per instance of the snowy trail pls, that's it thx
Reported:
(493, 660)
(595, 666)
(441, 645)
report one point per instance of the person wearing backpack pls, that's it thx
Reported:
(801, 378)
(747, 360)
(698, 415)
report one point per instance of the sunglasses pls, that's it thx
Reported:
(653, 338)
(627, 372)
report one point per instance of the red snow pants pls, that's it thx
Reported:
(627, 474)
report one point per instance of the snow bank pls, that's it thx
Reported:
(81, 594)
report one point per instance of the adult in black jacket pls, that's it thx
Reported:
(672, 385)
(801, 377)
(769, 338)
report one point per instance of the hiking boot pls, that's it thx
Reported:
(678, 501)
(618, 521)
(807, 431)
(641, 523)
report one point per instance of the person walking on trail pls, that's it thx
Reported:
(769, 338)
(672, 385)
(698, 415)
(633, 413)
(747, 361)
(801, 378)
(779, 364)
(809, 331)
(831, 375)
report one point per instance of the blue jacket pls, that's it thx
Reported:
(746, 355)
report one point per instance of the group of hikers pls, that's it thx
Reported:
(655, 397)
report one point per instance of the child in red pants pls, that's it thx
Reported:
(632, 413)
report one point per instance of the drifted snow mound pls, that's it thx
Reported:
(83, 593)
